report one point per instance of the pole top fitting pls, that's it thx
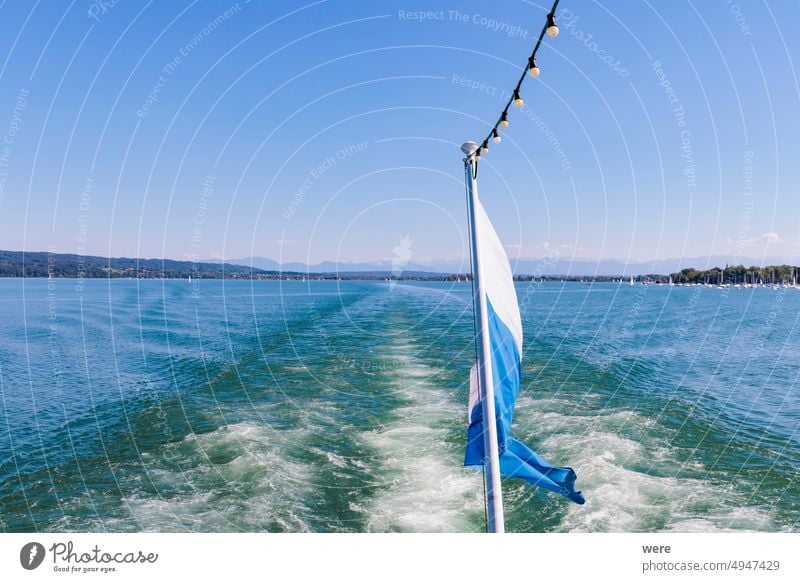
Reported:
(469, 148)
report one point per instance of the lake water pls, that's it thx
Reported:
(341, 406)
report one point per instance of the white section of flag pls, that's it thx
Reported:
(496, 274)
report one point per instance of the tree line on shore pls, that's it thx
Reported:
(739, 274)
(56, 265)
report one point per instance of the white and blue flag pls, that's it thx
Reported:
(505, 341)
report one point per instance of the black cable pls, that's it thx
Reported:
(532, 58)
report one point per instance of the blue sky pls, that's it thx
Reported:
(330, 130)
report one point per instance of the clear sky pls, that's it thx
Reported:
(330, 130)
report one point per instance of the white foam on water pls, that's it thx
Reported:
(335, 459)
(299, 368)
(236, 478)
(425, 488)
(620, 497)
(731, 519)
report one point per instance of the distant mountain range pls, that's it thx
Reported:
(45, 264)
(573, 268)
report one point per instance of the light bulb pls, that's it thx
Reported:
(504, 120)
(496, 136)
(517, 99)
(485, 148)
(552, 27)
(532, 68)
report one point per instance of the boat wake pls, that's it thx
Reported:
(633, 480)
(424, 487)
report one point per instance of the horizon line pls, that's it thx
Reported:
(423, 262)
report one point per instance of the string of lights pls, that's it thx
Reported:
(531, 68)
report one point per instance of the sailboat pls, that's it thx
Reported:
(495, 378)
(631, 283)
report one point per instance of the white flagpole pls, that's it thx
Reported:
(491, 474)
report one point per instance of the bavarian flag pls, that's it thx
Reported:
(505, 341)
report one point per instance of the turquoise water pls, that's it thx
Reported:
(341, 406)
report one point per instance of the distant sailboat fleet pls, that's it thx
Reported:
(713, 281)
(745, 281)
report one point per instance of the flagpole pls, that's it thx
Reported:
(491, 474)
